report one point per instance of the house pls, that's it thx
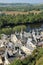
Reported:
(1, 62)
(2, 50)
(3, 36)
(1, 43)
(13, 38)
(29, 43)
(34, 36)
(27, 34)
(10, 45)
(41, 35)
(26, 50)
(40, 44)
(16, 42)
(38, 38)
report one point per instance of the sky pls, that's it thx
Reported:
(21, 1)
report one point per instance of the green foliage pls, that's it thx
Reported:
(12, 23)
(16, 62)
(11, 20)
(6, 30)
(40, 61)
(19, 28)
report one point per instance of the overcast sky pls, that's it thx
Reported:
(21, 1)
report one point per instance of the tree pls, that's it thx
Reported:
(16, 62)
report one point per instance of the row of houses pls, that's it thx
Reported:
(19, 45)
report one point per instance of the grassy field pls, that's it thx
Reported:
(16, 12)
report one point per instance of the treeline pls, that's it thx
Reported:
(20, 8)
(12, 20)
(10, 30)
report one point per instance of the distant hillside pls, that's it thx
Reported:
(15, 4)
(38, 6)
(20, 7)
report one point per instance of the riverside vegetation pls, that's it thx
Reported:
(18, 22)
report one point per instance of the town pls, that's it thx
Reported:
(19, 45)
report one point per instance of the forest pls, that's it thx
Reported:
(12, 20)
(18, 22)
